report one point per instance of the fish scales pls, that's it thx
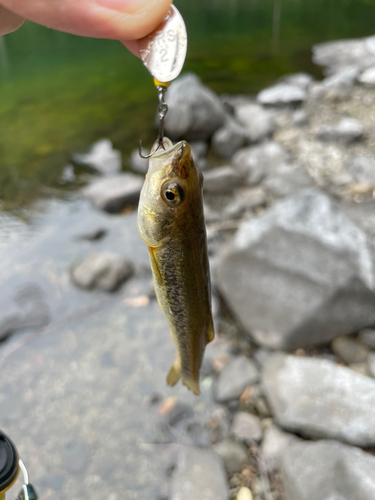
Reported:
(175, 234)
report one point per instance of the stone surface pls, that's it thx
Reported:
(244, 494)
(346, 131)
(367, 78)
(258, 122)
(234, 378)
(282, 94)
(286, 179)
(104, 271)
(327, 470)
(255, 162)
(300, 118)
(222, 179)
(199, 150)
(101, 158)
(114, 193)
(76, 457)
(233, 455)
(195, 112)
(349, 350)
(247, 200)
(343, 79)
(362, 170)
(367, 337)
(371, 364)
(299, 274)
(199, 474)
(246, 427)
(137, 163)
(228, 138)
(317, 398)
(302, 80)
(27, 309)
(274, 442)
(334, 55)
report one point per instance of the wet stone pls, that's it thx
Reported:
(234, 455)
(349, 350)
(76, 458)
(347, 130)
(246, 427)
(234, 378)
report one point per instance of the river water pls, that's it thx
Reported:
(59, 93)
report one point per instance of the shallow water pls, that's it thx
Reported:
(59, 93)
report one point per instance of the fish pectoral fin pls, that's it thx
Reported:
(154, 265)
(210, 334)
(191, 384)
(174, 374)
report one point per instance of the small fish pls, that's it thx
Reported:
(171, 223)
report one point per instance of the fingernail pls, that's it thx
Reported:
(127, 6)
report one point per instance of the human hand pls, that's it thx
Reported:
(124, 20)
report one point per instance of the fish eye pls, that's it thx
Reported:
(172, 193)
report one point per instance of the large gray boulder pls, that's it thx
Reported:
(327, 470)
(317, 398)
(358, 52)
(112, 194)
(199, 474)
(300, 274)
(195, 112)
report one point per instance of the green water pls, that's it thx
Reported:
(59, 93)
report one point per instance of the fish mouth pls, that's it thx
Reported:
(178, 151)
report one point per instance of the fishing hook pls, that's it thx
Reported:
(162, 110)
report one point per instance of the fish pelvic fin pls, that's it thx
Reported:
(210, 334)
(174, 374)
(191, 384)
(154, 265)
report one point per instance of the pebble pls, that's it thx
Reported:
(234, 378)
(244, 494)
(246, 427)
(234, 455)
(282, 94)
(104, 271)
(275, 441)
(349, 350)
(347, 130)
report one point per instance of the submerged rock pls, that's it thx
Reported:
(103, 271)
(327, 470)
(195, 112)
(282, 94)
(300, 274)
(200, 475)
(318, 398)
(101, 158)
(114, 193)
(346, 131)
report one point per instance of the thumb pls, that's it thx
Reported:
(116, 19)
(8, 21)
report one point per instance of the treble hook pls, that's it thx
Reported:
(162, 110)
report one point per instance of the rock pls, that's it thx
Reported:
(367, 78)
(246, 427)
(371, 364)
(180, 411)
(195, 112)
(342, 53)
(362, 170)
(349, 350)
(367, 337)
(93, 235)
(137, 163)
(67, 175)
(286, 179)
(255, 162)
(343, 79)
(114, 193)
(307, 246)
(317, 398)
(222, 179)
(275, 441)
(327, 470)
(302, 80)
(234, 378)
(258, 122)
(101, 158)
(244, 494)
(228, 138)
(199, 474)
(26, 310)
(282, 94)
(300, 118)
(104, 271)
(361, 368)
(163, 434)
(347, 130)
(248, 200)
(199, 150)
(76, 458)
(233, 455)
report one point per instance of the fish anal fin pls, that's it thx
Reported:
(154, 265)
(174, 374)
(191, 384)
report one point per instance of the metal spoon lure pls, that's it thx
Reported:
(163, 53)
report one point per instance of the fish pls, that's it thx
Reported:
(171, 223)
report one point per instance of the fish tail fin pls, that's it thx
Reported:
(174, 374)
(191, 384)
